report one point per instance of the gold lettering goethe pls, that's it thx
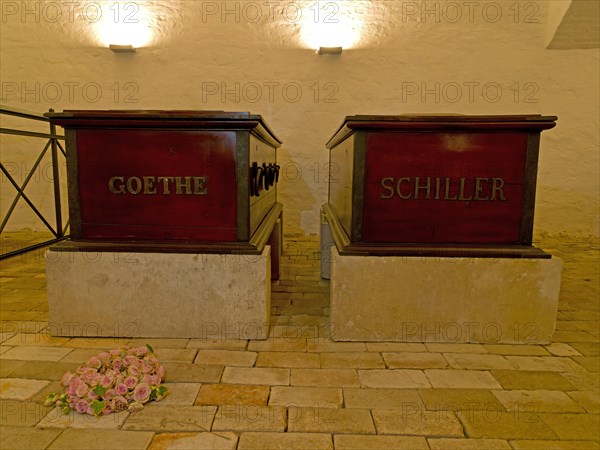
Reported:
(147, 185)
(454, 189)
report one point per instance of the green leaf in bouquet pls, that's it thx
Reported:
(98, 406)
(99, 390)
(149, 347)
(162, 390)
(51, 399)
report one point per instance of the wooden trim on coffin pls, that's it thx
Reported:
(254, 247)
(346, 248)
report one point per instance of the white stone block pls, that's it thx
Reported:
(159, 294)
(434, 299)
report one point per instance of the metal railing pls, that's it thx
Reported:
(53, 144)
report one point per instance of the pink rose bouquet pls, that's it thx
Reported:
(118, 380)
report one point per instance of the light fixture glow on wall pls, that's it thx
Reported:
(124, 26)
(331, 25)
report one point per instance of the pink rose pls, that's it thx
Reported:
(104, 355)
(117, 364)
(121, 389)
(92, 395)
(147, 368)
(94, 362)
(160, 371)
(73, 385)
(141, 351)
(129, 359)
(130, 382)
(141, 393)
(66, 378)
(82, 389)
(81, 406)
(116, 352)
(151, 380)
(119, 403)
(106, 381)
(110, 394)
(133, 370)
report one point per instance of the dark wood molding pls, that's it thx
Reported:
(75, 225)
(531, 169)
(255, 246)
(441, 123)
(346, 248)
(242, 161)
(358, 185)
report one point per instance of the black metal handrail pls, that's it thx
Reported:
(52, 143)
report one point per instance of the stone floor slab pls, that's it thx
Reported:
(316, 397)
(225, 358)
(476, 361)
(330, 420)
(515, 349)
(468, 444)
(407, 360)
(554, 445)
(175, 418)
(417, 422)
(396, 347)
(539, 400)
(382, 398)
(544, 363)
(562, 349)
(74, 439)
(180, 394)
(256, 375)
(192, 373)
(250, 418)
(393, 378)
(442, 347)
(288, 359)
(460, 400)
(194, 441)
(218, 344)
(20, 389)
(31, 353)
(185, 355)
(574, 426)
(56, 419)
(285, 441)
(233, 394)
(461, 379)
(590, 400)
(378, 442)
(349, 360)
(21, 414)
(516, 379)
(25, 438)
(325, 377)
(505, 425)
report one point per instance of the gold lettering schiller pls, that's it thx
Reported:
(158, 185)
(429, 188)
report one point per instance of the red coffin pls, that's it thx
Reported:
(168, 176)
(423, 184)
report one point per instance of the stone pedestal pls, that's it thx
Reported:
(223, 296)
(436, 299)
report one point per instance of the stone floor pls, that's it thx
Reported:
(300, 390)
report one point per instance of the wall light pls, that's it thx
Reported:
(330, 50)
(122, 48)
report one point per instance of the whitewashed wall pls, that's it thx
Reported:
(480, 57)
